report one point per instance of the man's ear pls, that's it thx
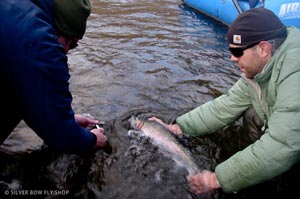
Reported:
(265, 49)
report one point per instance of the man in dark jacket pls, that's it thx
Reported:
(35, 36)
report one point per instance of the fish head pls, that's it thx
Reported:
(135, 122)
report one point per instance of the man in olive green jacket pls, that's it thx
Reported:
(267, 53)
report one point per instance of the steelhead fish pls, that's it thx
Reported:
(164, 139)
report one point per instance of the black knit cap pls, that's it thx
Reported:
(71, 16)
(255, 25)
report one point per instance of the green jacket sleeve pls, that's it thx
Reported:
(217, 113)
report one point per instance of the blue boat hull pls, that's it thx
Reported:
(225, 11)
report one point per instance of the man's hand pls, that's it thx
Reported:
(101, 138)
(89, 122)
(204, 181)
(85, 121)
(174, 128)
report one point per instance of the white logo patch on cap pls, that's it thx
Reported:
(237, 39)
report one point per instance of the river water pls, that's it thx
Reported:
(148, 54)
(155, 57)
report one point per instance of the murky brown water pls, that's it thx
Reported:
(153, 56)
(148, 54)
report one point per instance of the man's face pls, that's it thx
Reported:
(249, 60)
(68, 42)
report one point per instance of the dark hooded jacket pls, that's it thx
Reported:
(34, 77)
